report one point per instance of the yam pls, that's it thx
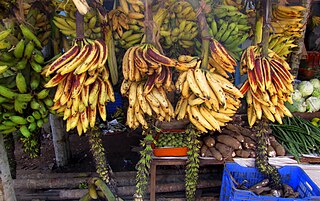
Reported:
(208, 153)
(209, 141)
(280, 151)
(234, 128)
(203, 150)
(238, 136)
(230, 141)
(216, 154)
(252, 153)
(225, 150)
(249, 143)
(271, 152)
(243, 153)
(247, 132)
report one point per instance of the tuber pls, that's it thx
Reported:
(230, 141)
(216, 154)
(209, 141)
(225, 150)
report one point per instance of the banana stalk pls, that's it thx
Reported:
(266, 24)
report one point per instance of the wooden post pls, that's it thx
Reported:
(60, 141)
(296, 55)
(8, 190)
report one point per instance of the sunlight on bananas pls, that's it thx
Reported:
(288, 20)
(147, 78)
(127, 22)
(82, 83)
(229, 26)
(24, 103)
(268, 87)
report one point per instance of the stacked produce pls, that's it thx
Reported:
(177, 139)
(127, 23)
(236, 141)
(306, 97)
(147, 77)
(268, 87)
(230, 27)
(178, 26)
(282, 44)
(207, 98)
(82, 82)
(299, 136)
(24, 102)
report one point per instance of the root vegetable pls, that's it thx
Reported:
(280, 151)
(243, 153)
(249, 143)
(271, 151)
(203, 150)
(209, 141)
(230, 141)
(225, 150)
(216, 154)
(236, 135)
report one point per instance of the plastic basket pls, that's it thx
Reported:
(112, 106)
(291, 175)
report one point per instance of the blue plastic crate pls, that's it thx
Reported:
(112, 106)
(291, 175)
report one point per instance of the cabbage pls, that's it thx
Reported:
(316, 92)
(315, 82)
(302, 107)
(305, 88)
(297, 106)
(296, 95)
(313, 104)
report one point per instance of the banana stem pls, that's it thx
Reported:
(79, 25)
(148, 21)
(205, 35)
(266, 7)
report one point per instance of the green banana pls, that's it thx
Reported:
(19, 106)
(4, 45)
(25, 131)
(21, 83)
(48, 101)
(10, 130)
(43, 93)
(3, 99)
(36, 115)
(35, 80)
(36, 67)
(18, 120)
(22, 64)
(28, 50)
(8, 93)
(9, 123)
(34, 104)
(19, 49)
(222, 30)
(38, 58)
(214, 27)
(5, 127)
(40, 123)
(29, 35)
(30, 119)
(7, 115)
(230, 29)
(6, 56)
(3, 69)
(32, 126)
(4, 34)
(24, 97)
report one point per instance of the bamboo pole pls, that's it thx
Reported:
(8, 189)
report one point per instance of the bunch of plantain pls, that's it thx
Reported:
(24, 103)
(236, 141)
(67, 24)
(82, 84)
(268, 87)
(208, 99)
(287, 20)
(281, 44)
(147, 77)
(230, 27)
(4, 44)
(178, 26)
(127, 22)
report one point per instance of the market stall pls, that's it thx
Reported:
(202, 83)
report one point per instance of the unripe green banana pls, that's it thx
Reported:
(22, 64)
(3, 99)
(36, 67)
(38, 58)
(18, 120)
(21, 83)
(40, 123)
(19, 106)
(8, 93)
(24, 97)
(5, 127)
(6, 56)
(28, 50)
(46, 119)
(35, 80)
(9, 123)
(19, 49)
(43, 93)
(214, 27)
(32, 126)
(4, 34)
(48, 101)
(34, 104)
(230, 29)
(36, 115)
(8, 131)
(30, 119)
(222, 30)
(25, 131)
(7, 115)
(29, 35)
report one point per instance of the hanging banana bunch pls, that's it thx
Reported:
(208, 99)
(282, 45)
(268, 87)
(83, 87)
(127, 23)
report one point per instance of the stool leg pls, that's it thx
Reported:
(153, 169)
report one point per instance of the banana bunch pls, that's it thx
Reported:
(230, 27)
(24, 103)
(220, 61)
(147, 77)
(287, 20)
(4, 44)
(235, 3)
(178, 25)
(208, 99)
(67, 24)
(83, 84)
(268, 87)
(127, 22)
(281, 44)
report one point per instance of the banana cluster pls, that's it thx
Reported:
(83, 84)
(268, 87)
(220, 61)
(281, 44)
(127, 22)
(147, 77)
(4, 44)
(24, 103)
(208, 99)
(178, 25)
(230, 27)
(287, 20)
(236, 3)
(67, 24)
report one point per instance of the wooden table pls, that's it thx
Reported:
(169, 161)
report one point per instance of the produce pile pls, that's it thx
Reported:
(176, 139)
(236, 141)
(306, 97)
